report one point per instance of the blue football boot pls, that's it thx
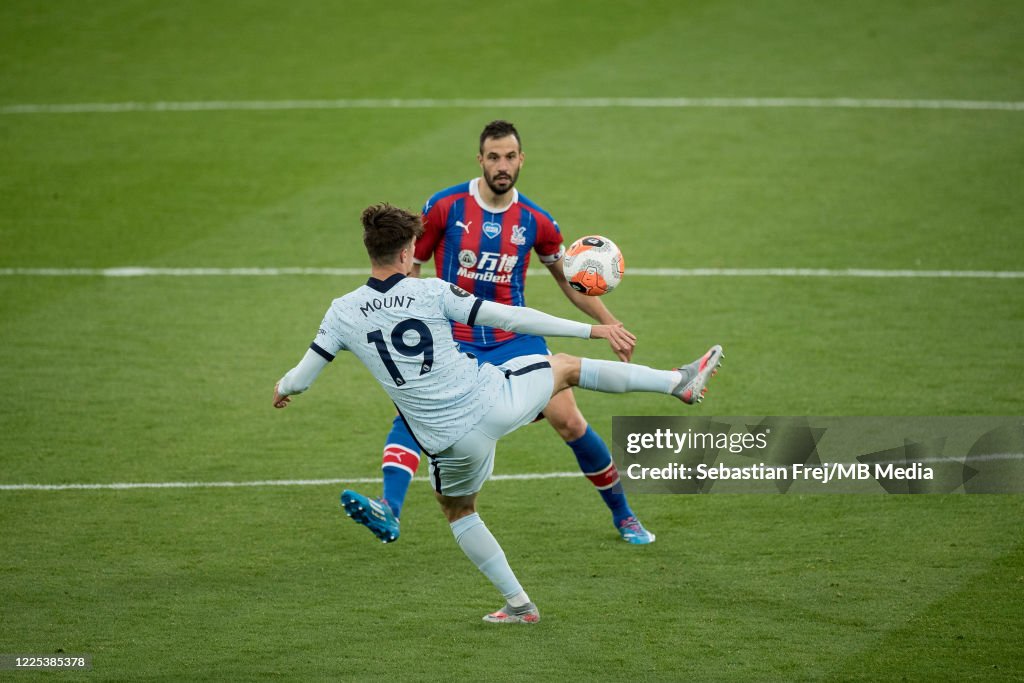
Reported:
(632, 531)
(373, 513)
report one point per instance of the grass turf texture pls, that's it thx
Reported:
(165, 379)
(244, 584)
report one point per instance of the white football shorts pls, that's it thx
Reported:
(462, 468)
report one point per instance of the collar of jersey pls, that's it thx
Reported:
(474, 190)
(384, 286)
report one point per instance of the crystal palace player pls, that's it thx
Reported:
(458, 409)
(480, 235)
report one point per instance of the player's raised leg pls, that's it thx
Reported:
(595, 460)
(688, 383)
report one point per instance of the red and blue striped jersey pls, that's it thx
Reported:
(484, 252)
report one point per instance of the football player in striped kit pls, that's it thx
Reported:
(480, 235)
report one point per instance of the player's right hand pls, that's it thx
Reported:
(621, 340)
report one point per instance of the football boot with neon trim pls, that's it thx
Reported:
(527, 614)
(693, 386)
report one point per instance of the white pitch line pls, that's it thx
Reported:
(243, 484)
(517, 103)
(824, 272)
(138, 271)
(528, 476)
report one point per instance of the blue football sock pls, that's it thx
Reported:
(401, 459)
(595, 460)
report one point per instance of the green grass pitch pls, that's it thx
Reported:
(168, 379)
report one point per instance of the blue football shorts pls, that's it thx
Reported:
(521, 345)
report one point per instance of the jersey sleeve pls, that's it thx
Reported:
(328, 342)
(322, 351)
(548, 246)
(435, 216)
(528, 321)
(301, 377)
(458, 304)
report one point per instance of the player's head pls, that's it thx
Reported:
(387, 230)
(501, 156)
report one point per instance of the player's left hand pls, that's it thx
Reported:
(621, 340)
(279, 400)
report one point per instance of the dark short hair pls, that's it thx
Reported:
(387, 230)
(499, 129)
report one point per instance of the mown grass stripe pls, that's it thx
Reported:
(139, 271)
(516, 103)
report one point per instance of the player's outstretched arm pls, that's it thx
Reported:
(299, 378)
(527, 320)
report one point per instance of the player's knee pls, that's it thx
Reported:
(570, 427)
(565, 417)
(456, 507)
(566, 369)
